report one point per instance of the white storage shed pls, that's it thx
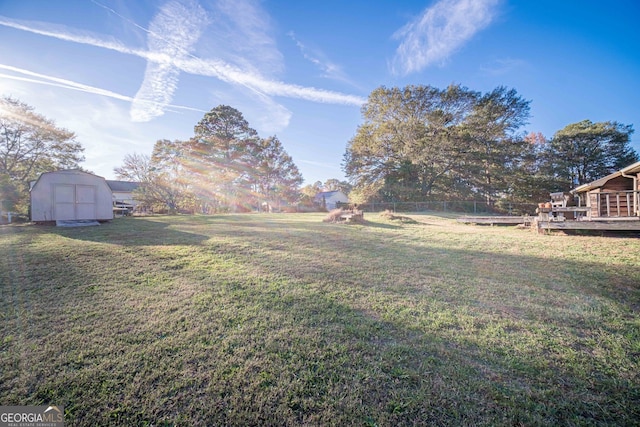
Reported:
(68, 195)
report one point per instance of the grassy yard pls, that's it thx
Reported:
(285, 320)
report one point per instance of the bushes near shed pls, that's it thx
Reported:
(334, 216)
(344, 215)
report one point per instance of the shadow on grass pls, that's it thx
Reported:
(132, 231)
(288, 323)
(521, 343)
(245, 354)
(374, 224)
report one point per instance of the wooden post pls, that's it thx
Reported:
(628, 205)
(608, 205)
(618, 203)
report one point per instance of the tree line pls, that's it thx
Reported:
(416, 143)
(424, 143)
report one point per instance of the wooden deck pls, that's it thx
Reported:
(546, 222)
(609, 224)
(606, 211)
(583, 219)
(496, 220)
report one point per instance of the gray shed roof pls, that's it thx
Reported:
(122, 185)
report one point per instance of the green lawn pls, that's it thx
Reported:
(285, 320)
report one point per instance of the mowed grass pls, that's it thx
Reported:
(285, 320)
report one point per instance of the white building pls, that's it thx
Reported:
(329, 199)
(70, 195)
(122, 194)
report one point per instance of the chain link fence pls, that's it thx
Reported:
(468, 207)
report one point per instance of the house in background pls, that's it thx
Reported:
(70, 195)
(122, 194)
(329, 199)
(614, 196)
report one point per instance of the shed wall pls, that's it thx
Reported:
(70, 195)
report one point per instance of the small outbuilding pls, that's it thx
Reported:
(330, 199)
(69, 195)
(123, 194)
(615, 196)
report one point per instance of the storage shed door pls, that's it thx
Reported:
(74, 201)
(86, 202)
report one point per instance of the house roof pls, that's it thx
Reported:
(122, 185)
(328, 194)
(634, 168)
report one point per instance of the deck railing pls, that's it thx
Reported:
(615, 203)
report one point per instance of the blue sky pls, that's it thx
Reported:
(124, 74)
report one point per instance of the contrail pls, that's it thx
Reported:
(68, 84)
(168, 54)
(211, 68)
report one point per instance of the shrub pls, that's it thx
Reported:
(390, 216)
(333, 216)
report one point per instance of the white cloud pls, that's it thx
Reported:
(439, 31)
(329, 69)
(271, 117)
(243, 36)
(170, 52)
(503, 66)
(172, 34)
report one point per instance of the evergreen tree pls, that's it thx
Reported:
(585, 151)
